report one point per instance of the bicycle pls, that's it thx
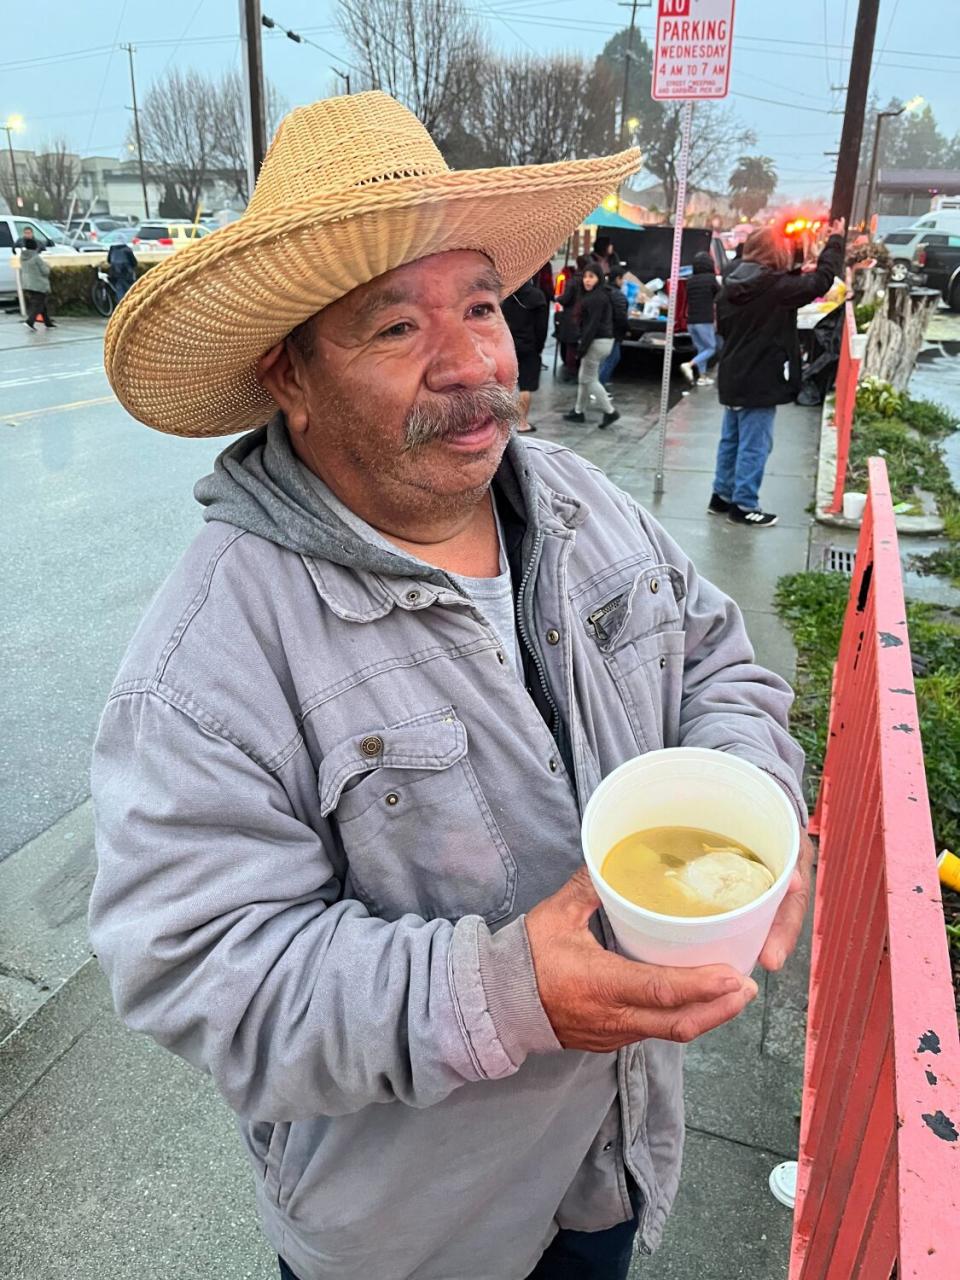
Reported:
(103, 293)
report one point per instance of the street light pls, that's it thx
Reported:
(872, 184)
(13, 124)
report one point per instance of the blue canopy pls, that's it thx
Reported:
(604, 218)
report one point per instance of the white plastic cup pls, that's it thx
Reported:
(711, 790)
(854, 505)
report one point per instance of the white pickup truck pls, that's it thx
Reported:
(12, 228)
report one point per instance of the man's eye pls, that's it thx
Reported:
(398, 330)
(484, 309)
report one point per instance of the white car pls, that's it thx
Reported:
(11, 229)
(905, 241)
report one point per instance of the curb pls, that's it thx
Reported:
(917, 526)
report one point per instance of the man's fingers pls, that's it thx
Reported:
(631, 983)
(689, 1021)
(786, 926)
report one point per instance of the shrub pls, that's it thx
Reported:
(878, 399)
(71, 279)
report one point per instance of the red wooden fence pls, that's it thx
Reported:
(879, 1168)
(848, 373)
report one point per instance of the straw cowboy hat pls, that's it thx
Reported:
(350, 188)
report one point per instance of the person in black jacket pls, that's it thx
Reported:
(702, 290)
(760, 361)
(568, 319)
(526, 315)
(618, 300)
(596, 343)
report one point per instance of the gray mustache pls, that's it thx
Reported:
(458, 413)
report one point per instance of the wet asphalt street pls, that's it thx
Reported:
(94, 511)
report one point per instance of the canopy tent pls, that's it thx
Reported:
(604, 218)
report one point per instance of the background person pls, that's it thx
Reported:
(618, 301)
(568, 319)
(121, 267)
(596, 343)
(35, 281)
(760, 361)
(526, 315)
(702, 290)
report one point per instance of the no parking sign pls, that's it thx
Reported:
(693, 49)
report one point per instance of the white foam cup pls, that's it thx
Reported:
(854, 505)
(711, 790)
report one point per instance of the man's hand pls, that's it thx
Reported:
(788, 921)
(598, 1002)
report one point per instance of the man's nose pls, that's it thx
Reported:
(461, 359)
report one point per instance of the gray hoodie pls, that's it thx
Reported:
(34, 272)
(324, 802)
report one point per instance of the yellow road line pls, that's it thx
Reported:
(11, 419)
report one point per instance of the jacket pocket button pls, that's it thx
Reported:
(663, 663)
(392, 799)
(654, 586)
(500, 657)
(552, 764)
(553, 636)
(608, 1146)
(413, 596)
(371, 746)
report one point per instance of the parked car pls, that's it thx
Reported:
(904, 242)
(938, 261)
(167, 235)
(11, 229)
(121, 235)
(91, 228)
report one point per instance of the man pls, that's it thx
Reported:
(526, 314)
(121, 267)
(339, 780)
(760, 364)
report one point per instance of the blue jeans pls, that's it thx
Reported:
(611, 362)
(577, 1255)
(746, 439)
(705, 340)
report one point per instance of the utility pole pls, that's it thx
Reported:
(344, 76)
(131, 50)
(627, 59)
(250, 23)
(13, 164)
(858, 84)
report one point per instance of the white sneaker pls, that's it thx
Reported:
(687, 371)
(704, 382)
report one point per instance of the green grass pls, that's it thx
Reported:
(812, 605)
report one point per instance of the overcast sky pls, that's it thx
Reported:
(788, 55)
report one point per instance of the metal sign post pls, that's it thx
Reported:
(692, 55)
(685, 119)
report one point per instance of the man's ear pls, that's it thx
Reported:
(281, 376)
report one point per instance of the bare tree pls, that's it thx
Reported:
(418, 51)
(715, 135)
(233, 128)
(181, 123)
(531, 108)
(55, 173)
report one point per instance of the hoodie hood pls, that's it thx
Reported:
(703, 263)
(259, 484)
(28, 255)
(748, 280)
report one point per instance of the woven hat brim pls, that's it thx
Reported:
(181, 349)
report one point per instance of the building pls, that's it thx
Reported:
(910, 192)
(112, 187)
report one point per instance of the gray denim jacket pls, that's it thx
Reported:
(324, 802)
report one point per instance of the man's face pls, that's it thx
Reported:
(408, 387)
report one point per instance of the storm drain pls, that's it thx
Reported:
(838, 560)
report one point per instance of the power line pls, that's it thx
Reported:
(794, 106)
(299, 38)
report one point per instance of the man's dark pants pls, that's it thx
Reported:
(36, 304)
(576, 1255)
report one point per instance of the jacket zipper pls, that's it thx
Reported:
(525, 635)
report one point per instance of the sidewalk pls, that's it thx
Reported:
(117, 1160)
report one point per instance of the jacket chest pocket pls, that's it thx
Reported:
(417, 832)
(634, 619)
